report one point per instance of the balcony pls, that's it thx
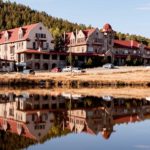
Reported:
(98, 42)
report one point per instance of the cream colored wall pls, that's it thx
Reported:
(44, 30)
(40, 131)
(24, 45)
(78, 49)
(80, 35)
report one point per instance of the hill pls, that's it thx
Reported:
(23, 15)
(15, 15)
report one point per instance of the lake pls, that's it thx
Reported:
(46, 120)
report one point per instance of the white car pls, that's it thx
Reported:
(77, 70)
(108, 66)
(67, 69)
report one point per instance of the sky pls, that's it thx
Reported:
(127, 16)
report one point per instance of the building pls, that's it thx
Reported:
(123, 50)
(30, 46)
(90, 43)
(7, 65)
(101, 46)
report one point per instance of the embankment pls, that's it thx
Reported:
(132, 77)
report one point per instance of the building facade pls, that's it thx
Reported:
(30, 46)
(102, 46)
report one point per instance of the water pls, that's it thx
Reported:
(33, 121)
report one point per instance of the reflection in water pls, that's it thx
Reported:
(27, 119)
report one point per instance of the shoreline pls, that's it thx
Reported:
(123, 77)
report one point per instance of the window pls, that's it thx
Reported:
(54, 57)
(12, 49)
(22, 57)
(28, 56)
(47, 45)
(34, 45)
(45, 56)
(37, 56)
(83, 49)
(62, 57)
(40, 35)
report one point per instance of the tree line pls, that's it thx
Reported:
(14, 15)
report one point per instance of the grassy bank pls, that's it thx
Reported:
(97, 92)
(125, 76)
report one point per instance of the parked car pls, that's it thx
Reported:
(78, 70)
(108, 66)
(29, 71)
(67, 69)
(56, 69)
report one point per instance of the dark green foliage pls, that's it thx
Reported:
(59, 43)
(70, 60)
(138, 38)
(89, 62)
(15, 15)
(11, 141)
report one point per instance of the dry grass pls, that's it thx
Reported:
(98, 92)
(133, 75)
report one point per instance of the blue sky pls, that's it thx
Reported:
(127, 16)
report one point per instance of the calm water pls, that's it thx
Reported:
(73, 122)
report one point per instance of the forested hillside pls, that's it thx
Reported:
(14, 15)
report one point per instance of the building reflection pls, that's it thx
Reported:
(42, 117)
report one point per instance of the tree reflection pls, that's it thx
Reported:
(28, 118)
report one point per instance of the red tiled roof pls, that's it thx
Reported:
(126, 119)
(88, 32)
(147, 48)
(127, 44)
(87, 54)
(68, 34)
(14, 33)
(13, 128)
(32, 51)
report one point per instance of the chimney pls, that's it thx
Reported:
(132, 42)
(76, 35)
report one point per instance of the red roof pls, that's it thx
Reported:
(13, 33)
(13, 128)
(107, 28)
(88, 32)
(68, 34)
(126, 119)
(147, 48)
(126, 44)
(32, 51)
